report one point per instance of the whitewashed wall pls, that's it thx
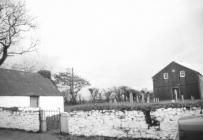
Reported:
(51, 103)
(126, 124)
(14, 101)
(45, 102)
(27, 120)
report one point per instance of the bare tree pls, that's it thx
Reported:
(14, 22)
(147, 93)
(94, 92)
(107, 94)
(125, 91)
(71, 82)
(118, 93)
(100, 96)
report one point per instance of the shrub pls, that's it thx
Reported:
(12, 109)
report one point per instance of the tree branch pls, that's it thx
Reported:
(32, 48)
(13, 22)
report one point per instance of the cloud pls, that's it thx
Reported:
(120, 42)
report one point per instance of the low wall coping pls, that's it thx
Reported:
(64, 114)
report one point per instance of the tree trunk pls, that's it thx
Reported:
(4, 56)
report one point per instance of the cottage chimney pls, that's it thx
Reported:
(45, 73)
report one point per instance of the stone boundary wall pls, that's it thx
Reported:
(23, 119)
(126, 124)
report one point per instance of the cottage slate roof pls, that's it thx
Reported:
(175, 63)
(18, 83)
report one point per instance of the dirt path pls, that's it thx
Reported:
(21, 135)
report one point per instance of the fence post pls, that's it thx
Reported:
(64, 122)
(43, 123)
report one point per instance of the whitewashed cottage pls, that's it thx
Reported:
(24, 89)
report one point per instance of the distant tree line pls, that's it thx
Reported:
(118, 94)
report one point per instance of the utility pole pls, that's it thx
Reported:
(72, 82)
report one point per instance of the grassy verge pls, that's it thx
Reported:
(70, 137)
(136, 106)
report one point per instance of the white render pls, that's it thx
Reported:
(14, 101)
(45, 102)
(126, 124)
(27, 120)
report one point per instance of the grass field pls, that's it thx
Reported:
(135, 106)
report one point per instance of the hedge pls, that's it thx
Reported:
(135, 106)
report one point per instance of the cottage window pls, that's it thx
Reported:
(165, 75)
(182, 73)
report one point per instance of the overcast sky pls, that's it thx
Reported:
(118, 42)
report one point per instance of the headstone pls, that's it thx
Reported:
(131, 98)
(156, 100)
(192, 98)
(137, 99)
(142, 98)
(148, 98)
(176, 95)
(182, 98)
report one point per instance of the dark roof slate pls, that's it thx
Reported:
(175, 63)
(18, 83)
